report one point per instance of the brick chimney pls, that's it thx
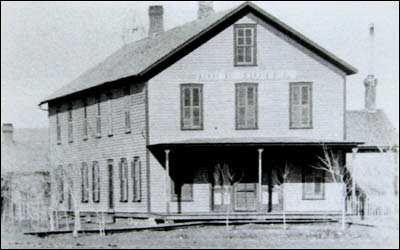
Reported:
(205, 9)
(371, 81)
(8, 133)
(156, 19)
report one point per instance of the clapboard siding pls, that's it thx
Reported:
(330, 203)
(119, 145)
(275, 52)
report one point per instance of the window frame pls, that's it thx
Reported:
(124, 186)
(85, 120)
(127, 110)
(70, 123)
(110, 173)
(174, 197)
(236, 46)
(237, 86)
(292, 125)
(192, 86)
(98, 116)
(85, 194)
(58, 125)
(314, 196)
(60, 184)
(96, 182)
(110, 114)
(136, 172)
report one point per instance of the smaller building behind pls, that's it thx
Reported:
(25, 182)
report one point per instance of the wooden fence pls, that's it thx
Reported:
(376, 206)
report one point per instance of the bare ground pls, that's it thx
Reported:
(247, 236)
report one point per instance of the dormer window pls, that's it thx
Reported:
(245, 45)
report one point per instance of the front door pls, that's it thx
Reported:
(245, 197)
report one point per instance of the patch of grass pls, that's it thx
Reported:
(246, 236)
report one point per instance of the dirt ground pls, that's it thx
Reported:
(246, 236)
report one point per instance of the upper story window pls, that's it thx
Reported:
(85, 120)
(245, 36)
(98, 117)
(301, 105)
(192, 106)
(127, 109)
(70, 126)
(246, 106)
(313, 184)
(110, 114)
(58, 125)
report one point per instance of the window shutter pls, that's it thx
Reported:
(82, 184)
(110, 114)
(191, 106)
(137, 179)
(300, 105)
(126, 183)
(97, 182)
(251, 107)
(93, 183)
(246, 106)
(133, 174)
(121, 182)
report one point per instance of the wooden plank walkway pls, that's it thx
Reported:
(172, 226)
(162, 227)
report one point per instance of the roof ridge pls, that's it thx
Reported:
(149, 56)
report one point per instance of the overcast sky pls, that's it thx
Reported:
(45, 45)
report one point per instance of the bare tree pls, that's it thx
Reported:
(230, 179)
(330, 163)
(68, 176)
(281, 176)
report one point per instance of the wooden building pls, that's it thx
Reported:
(25, 174)
(141, 133)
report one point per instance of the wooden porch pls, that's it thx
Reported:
(253, 217)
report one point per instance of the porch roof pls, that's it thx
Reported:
(259, 141)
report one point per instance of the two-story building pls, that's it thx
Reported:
(143, 132)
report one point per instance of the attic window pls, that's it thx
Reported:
(245, 45)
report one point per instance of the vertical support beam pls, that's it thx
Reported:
(354, 174)
(260, 150)
(167, 181)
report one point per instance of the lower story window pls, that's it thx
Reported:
(96, 182)
(181, 191)
(313, 184)
(60, 183)
(123, 178)
(85, 182)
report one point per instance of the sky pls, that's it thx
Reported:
(45, 45)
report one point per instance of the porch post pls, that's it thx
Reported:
(260, 150)
(354, 174)
(167, 180)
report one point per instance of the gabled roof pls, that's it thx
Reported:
(375, 129)
(147, 57)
